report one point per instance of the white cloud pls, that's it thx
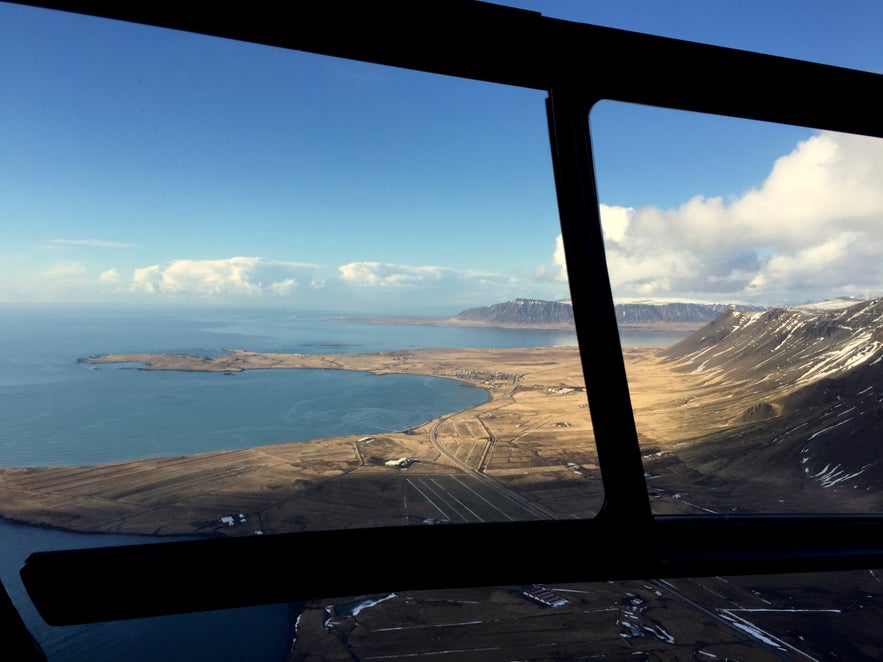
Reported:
(92, 243)
(110, 277)
(557, 270)
(383, 274)
(813, 227)
(615, 222)
(62, 271)
(558, 259)
(283, 287)
(248, 276)
(816, 266)
(62, 281)
(410, 289)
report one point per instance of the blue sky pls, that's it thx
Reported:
(152, 167)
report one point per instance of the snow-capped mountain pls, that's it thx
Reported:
(798, 396)
(536, 312)
(790, 345)
(525, 312)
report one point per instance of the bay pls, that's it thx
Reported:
(117, 414)
(54, 411)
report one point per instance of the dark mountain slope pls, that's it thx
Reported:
(799, 393)
(674, 313)
(792, 346)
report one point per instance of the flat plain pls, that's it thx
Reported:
(526, 453)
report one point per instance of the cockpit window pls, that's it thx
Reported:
(323, 327)
(251, 291)
(749, 256)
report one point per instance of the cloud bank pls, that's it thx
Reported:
(235, 276)
(64, 271)
(382, 274)
(813, 228)
(385, 274)
(365, 286)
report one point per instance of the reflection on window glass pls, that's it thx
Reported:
(731, 618)
(747, 256)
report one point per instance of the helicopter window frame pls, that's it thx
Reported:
(577, 66)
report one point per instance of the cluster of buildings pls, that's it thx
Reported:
(543, 595)
(401, 463)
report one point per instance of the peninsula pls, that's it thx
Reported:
(720, 432)
(708, 414)
(532, 439)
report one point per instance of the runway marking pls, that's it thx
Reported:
(431, 502)
(454, 497)
(444, 496)
(480, 496)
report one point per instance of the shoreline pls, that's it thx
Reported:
(530, 440)
(656, 327)
(441, 321)
(11, 521)
(123, 496)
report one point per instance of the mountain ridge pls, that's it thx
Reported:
(809, 381)
(541, 313)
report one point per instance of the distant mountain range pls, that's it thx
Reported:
(520, 312)
(539, 313)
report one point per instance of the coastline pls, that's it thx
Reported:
(275, 485)
(664, 327)
(446, 321)
(530, 444)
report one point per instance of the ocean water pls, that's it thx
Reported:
(54, 410)
(121, 413)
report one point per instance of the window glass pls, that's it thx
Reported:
(215, 211)
(749, 255)
(812, 616)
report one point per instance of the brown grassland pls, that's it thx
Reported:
(528, 452)
(533, 437)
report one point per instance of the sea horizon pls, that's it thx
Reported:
(55, 410)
